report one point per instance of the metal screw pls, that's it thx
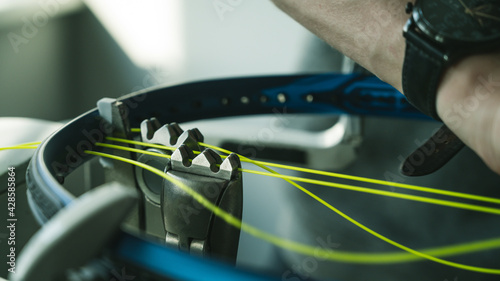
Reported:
(281, 97)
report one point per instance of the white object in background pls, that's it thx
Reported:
(148, 31)
(14, 12)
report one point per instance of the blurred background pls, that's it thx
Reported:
(58, 57)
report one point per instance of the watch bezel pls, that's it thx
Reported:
(433, 34)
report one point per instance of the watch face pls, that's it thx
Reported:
(463, 20)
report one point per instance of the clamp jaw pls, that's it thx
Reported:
(165, 211)
(172, 214)
(190, 226)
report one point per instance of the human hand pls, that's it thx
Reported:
(468, 102)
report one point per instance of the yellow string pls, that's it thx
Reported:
(297, 247)
(367, 190)
(152, 145)
(376, 234)
(380, 236)
(301, 248)
(29, 145)
(441, 202)
(290, 179)
(374, 258)
(132, 149)
(330, 174)
(373, 181)
(384, 193)
(17, 147)
(141, 143)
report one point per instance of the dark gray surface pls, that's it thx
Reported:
(17, 131)
(417, 225)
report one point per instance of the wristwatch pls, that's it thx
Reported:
(438, 34)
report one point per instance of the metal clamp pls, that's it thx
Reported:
(170, 212)
(190, 226)
(169, 135)
(150, 184)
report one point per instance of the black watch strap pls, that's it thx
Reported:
(433, 154)
(422, 70)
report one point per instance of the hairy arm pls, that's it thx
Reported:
(370, 32)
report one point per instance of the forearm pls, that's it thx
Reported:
(368, 31)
